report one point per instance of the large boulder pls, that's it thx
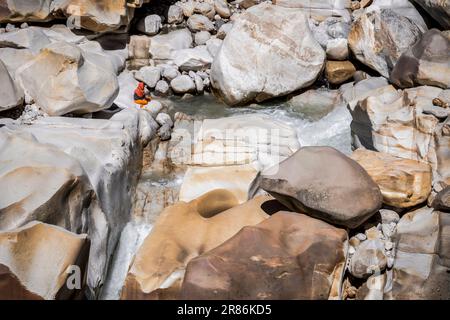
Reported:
(422, 256)
(51, 186)
(182, 232)
(11, 95)
(38, 10)
(163, 45)
(288, 256)
(439, 10)
(378, 39)
(229, 153)
(280, 55)
(183, 84)
(426, 63)
(325, 184)
(64, 78)
(354, 92)
(110, 154)
(197, 58)
(41, 261)
(319, 9)
(108, 15)
(32, 38)
(404, 183)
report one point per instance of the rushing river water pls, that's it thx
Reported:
(312, 129)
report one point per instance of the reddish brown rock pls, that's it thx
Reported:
(288, 256)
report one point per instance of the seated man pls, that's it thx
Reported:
(141, 95)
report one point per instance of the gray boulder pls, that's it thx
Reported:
(170, 72)
(197, 58)
(426, 63)
(325, 184)
(149, 75)
(183, 84)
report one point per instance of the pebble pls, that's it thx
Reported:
(361, 236)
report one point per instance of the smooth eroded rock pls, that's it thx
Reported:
(422, 257)
(325, 184)
(37, 259)
(182, 232)
(288, 256)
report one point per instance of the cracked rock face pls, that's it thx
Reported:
(426, 63)
(422, 257)
(280, 55)
(288, 256)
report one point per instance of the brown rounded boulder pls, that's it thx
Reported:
(288, 256)
(325, 184)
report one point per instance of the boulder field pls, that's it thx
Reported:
(290, 149)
